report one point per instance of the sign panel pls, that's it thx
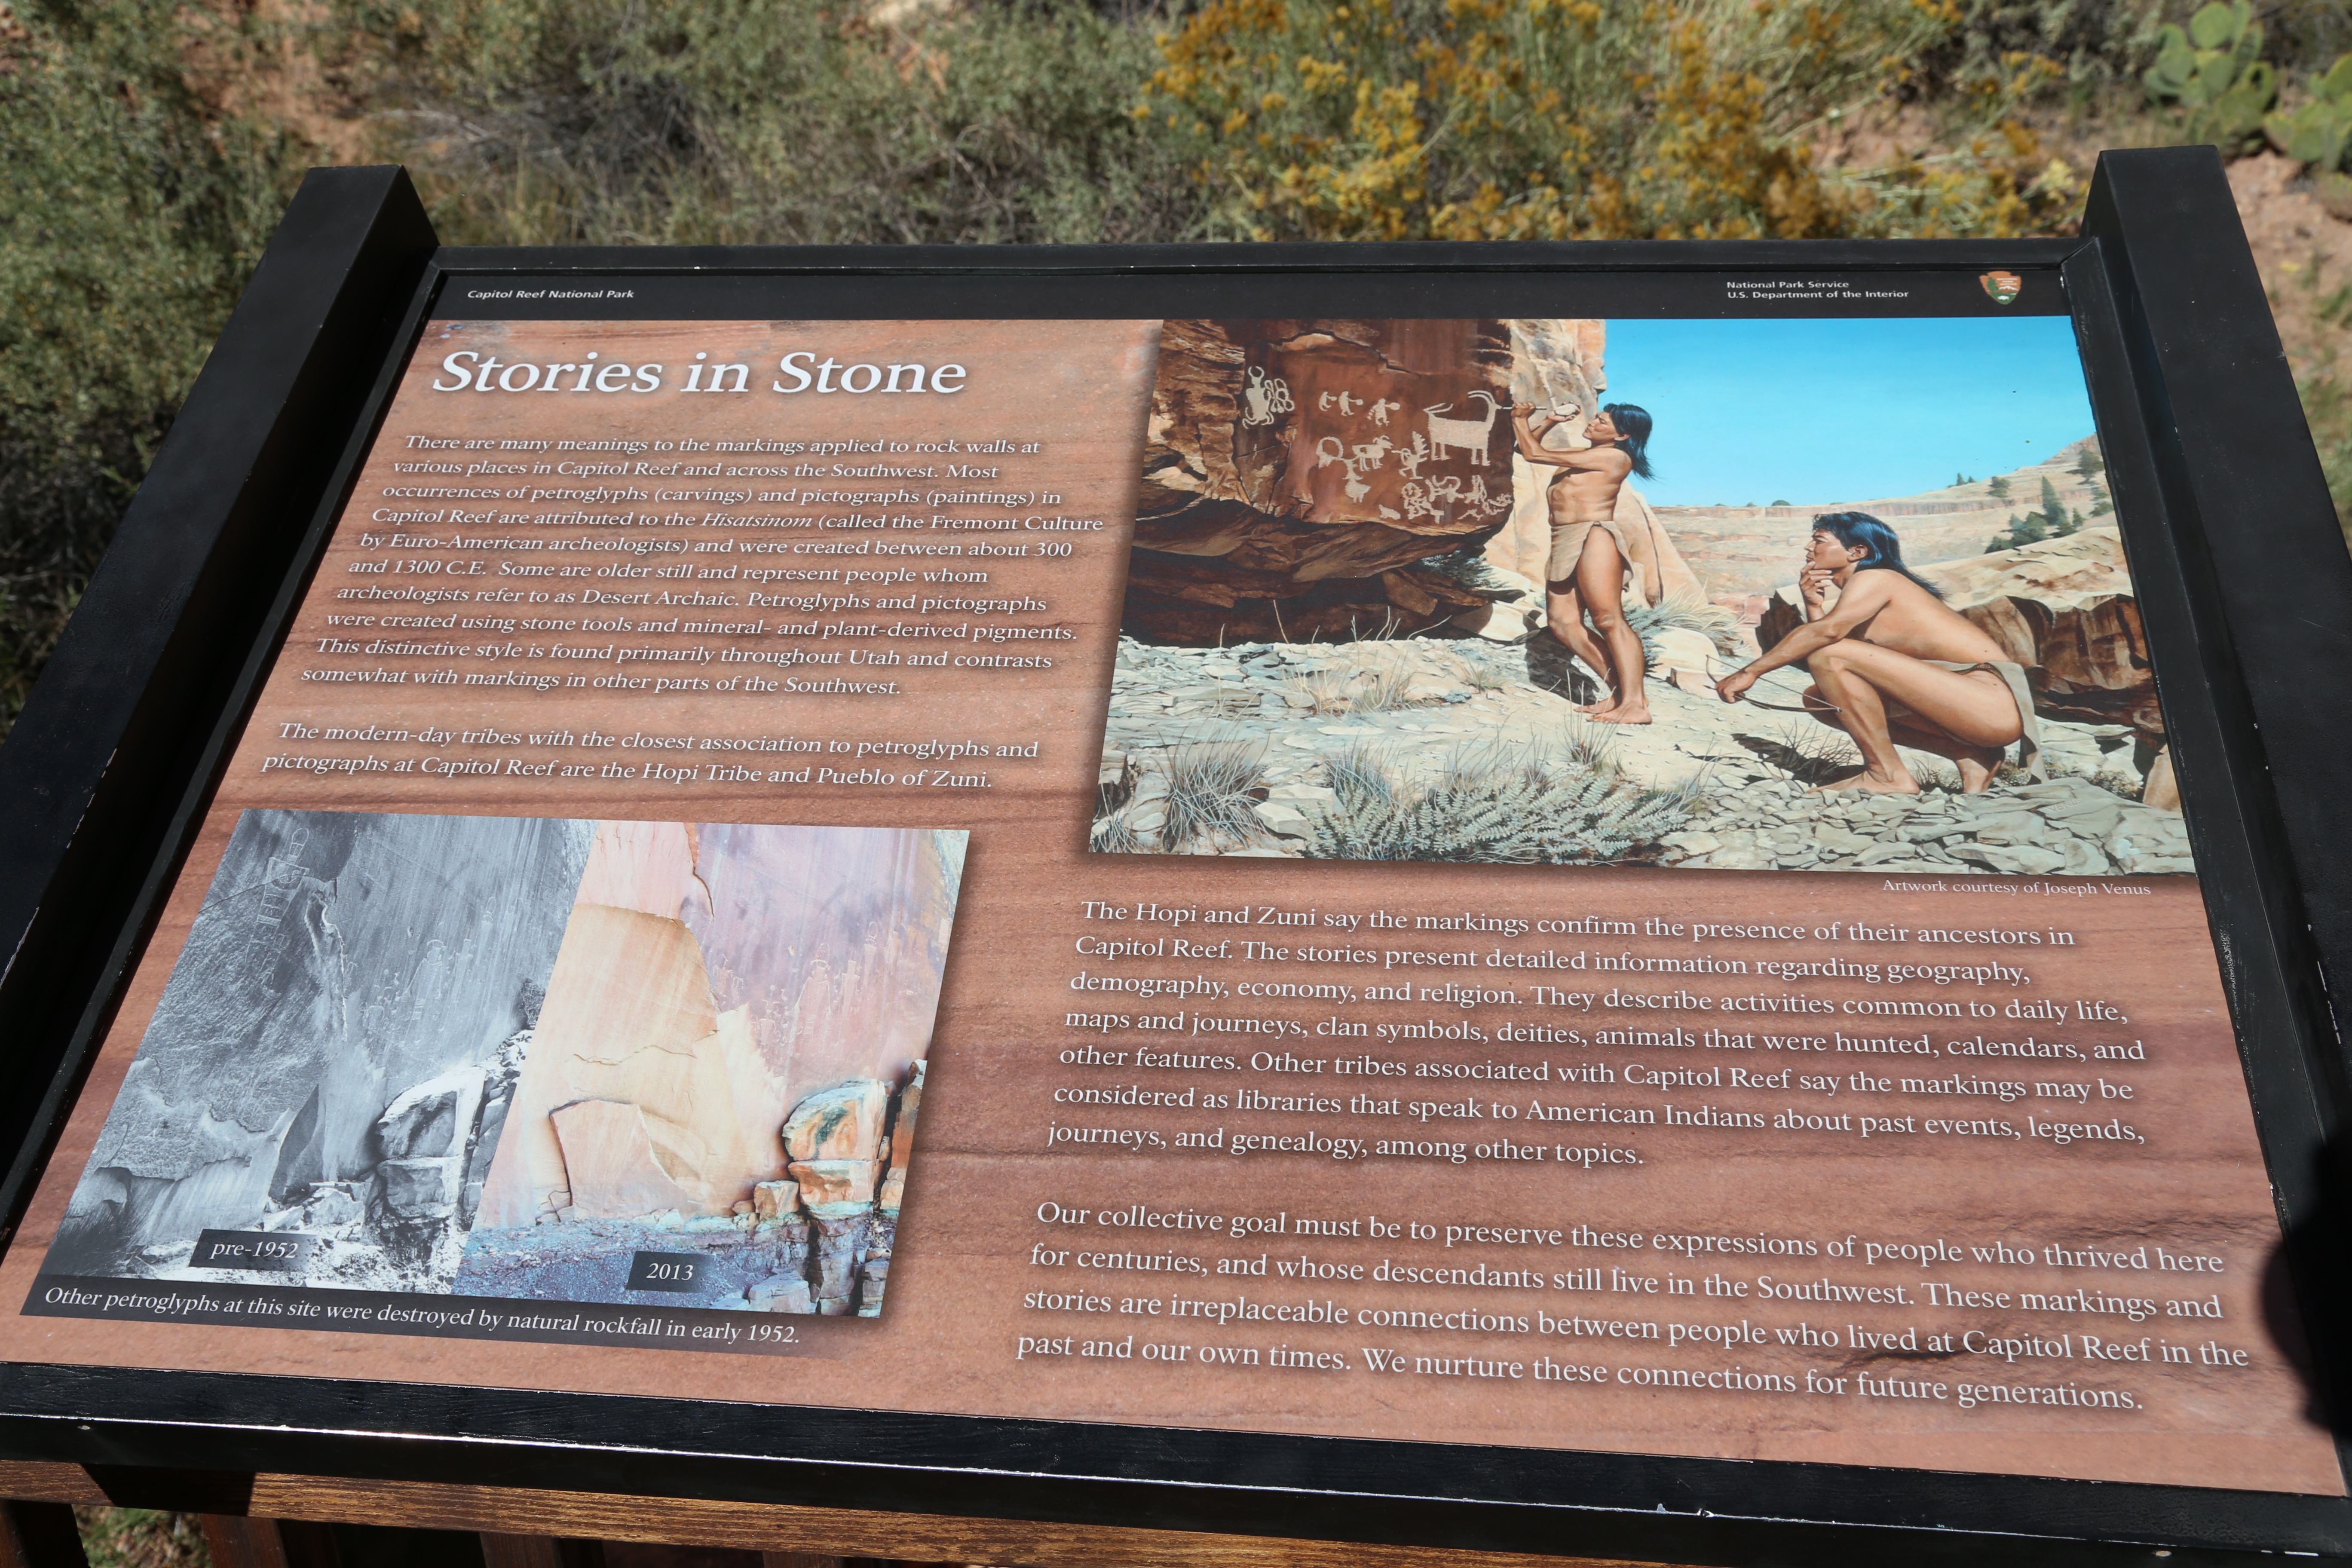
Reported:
(1603, 882)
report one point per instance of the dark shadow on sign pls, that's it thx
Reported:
(2319, 1250)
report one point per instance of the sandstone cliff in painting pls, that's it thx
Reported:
(728, 1068)
(1744, 549)
(1296, 473)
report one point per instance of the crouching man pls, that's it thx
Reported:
(1892, 662)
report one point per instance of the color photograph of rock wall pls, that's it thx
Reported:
(728, 1067)
(335, 1053)
(1346, 637)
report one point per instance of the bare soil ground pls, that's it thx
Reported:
(2305, 256)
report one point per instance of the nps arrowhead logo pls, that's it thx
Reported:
(2003, 286)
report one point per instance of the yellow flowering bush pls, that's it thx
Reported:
(1576, 118)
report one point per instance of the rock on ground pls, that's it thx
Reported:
(1280, 715)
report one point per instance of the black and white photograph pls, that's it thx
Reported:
(320, 1092)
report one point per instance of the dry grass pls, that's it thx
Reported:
(141, 1537)
(1210, 785)
(1326, 692)
(1369, 685)
(1360, 775)
(1812, 754)
(1685, 609)
(1496, 803)
(1480, 677)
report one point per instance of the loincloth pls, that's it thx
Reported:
(2029, 733)
(1567, 547)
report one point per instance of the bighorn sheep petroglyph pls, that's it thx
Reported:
(1470, 434)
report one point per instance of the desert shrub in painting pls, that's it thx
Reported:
(1209, 784)
(1495, 803)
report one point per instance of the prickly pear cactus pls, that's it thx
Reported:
(2215, 72)
(2320, 131)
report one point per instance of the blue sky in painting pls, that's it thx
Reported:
(1817, 411)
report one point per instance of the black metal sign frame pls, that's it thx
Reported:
(2245, 587)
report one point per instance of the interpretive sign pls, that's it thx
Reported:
(1580, 859)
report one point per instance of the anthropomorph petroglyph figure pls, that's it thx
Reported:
(1268, 397)
(1410, 458)
(1479, 501)
(1382, 407)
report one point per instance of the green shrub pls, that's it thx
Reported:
(776, 121)
(2090, 46)
(134, 209)
(2326, 385)
(2328, 404)
(153, 144)
(2307, 34)
(2051, 520)
(141, 1537)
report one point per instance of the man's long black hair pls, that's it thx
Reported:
(1635, 424)
(1859, 530)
